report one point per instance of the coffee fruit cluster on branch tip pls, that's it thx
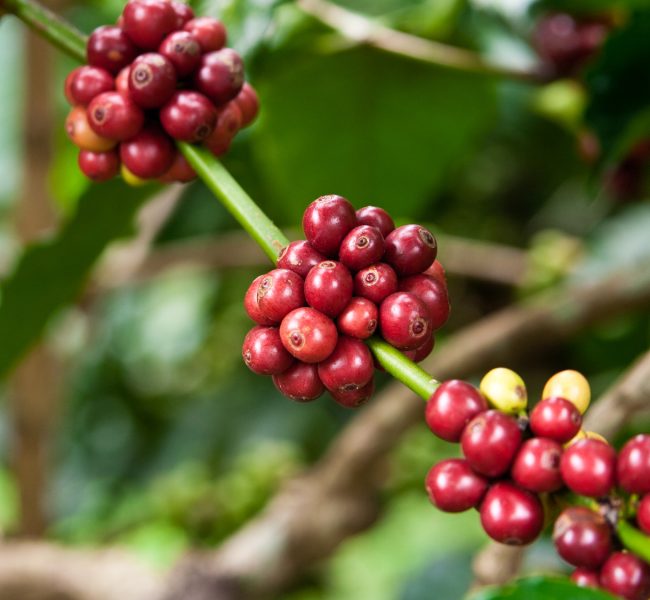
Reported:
(159, 75)
(355, 275)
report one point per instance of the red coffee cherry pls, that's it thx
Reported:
(376, 217)
(299, 257)
(588, 468)
(537, 466)
(354, 398)
(437, 271)
(82, 135)
(349, 368)
(182, 50)
(183, 12)
(582, 537)
(326, 221)
(210, 33)
(189, 117)
(148, 22)
(454, 404)
(626, 575)
(432, 293)
(555, 418)
(279, 292)
(251, 303)
(84, 83)
(149, 154)
(300, 382)
(99, 166)
(110, 48)
(115, 116)
(264, 353)
(152, 80)
(181, 171)
(328, 287)
(228, 124)
(358, 319)
(308, 334)
(585, 578)
(220, 75)
(410, 249)
(633, 466)
(248, 103)
(421, 352)
(404, 321)
(490, 442)
(643, 514)
(361, 247)
(122, 81)
(511, 515)
(375, 283)
(453, 486)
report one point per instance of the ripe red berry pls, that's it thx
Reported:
(376, 217)
(279, 292)
(181, 171)
(122, 81)
(220, 75)
(361, 247)
(511, 515)
(210, 33)
(152, 80)
(99, 166)
(354, 398)
(358, 319)
(264, 353)
(537, 466)
(555, 418)
(182, 50)
(82, 135)
(454, 404)
(189, 117)
(490, 442)
(115, 116)
(148, 22)
(299, 257)
(183, 12)
(633, 466)
(588, 468)
(249, 104)
(432, 293)
(453, 486)
(328, 287)
(326, 221)
(585, 578)
(437, 271)
(110, 48)
(308, 334)
(349, 367)
(410, 249)
(582, 537)
(404, 321)
(375, 283)
(626, 575)
(643, 514)
(228, 124)
(84, 83)
(149, 154)
(300, 382)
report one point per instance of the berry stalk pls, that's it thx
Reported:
(633, 539)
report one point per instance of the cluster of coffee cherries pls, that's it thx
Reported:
(159, 75)
(514, 463)
(354, 275)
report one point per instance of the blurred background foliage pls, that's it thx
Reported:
(166, 440)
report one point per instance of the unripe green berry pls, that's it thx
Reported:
(505, 390)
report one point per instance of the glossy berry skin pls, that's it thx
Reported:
(210, 33)
(189, 117)
(220, 75)
(249, 104)
(349, 367)
(537, 466)
(376, 282)
(152, 80)
(437, 271)
(181, 171)
(115, 116)
(404, 321)
(454, 404)
(626, 575)
(633, 465)
(505, 390)
(122, 81)
(99, 166)
(308, 334)
(511, 515)
(585, 578)
(228, 124)
(326, 221)
(490, 442)
(643, 514)
(571, 386)
(279, 292)
(354, 398)
(358, 319)
(555, 418)
(588, 468)
(110, 48)
(454, 487)
(264, 353)
(410, 249)
(362, 247)
(300, 382)
(328, 287)
(148, 22)
(82, 135)
(582, 537)
(149, 154)
(432, 293)
(84, 83)
(182, 50)
(299, 257)
(251, 303)
(183, 12)
(421, 352)
(376, 217)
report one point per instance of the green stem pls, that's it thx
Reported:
(634, 540)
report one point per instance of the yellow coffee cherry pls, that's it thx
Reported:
(585, 435)
(132, 179)
(505, 390)
(571, 386)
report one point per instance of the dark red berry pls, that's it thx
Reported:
(328, 287)
(626, 575)
(453, 486)
(410, 249)
(326, 221)
(110, 48)
(437, 271)
(189, 117)
(99, 166)
(149, 154)
(220, 75)
(354, 398)
(555, 418)
(376, 217)
(490, 442)
(300, 382)
(633, 466)
(122, 81)
(537, 465)
(299, 257)
(279, 292)
(582, 537)
(152, 80)
(249, 104)
(264, 353)
(588, 468)
(375, 283)
(421, 352)
(181, 171)
(585, 578)
(362, 247)
(432, 293)
(182, 50)
(359, 318)
(308, 334)
(210, 33)
(228, 124)
(84, 83)
(148, 22)
(115, 116)
(404, 321)
(511, 515)
(454, 404)
(82, 135)
(348, 368)
(251, 303)
(643, 514)
(183, 12)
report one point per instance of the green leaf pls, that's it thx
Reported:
(51, 274)
(541, 588)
